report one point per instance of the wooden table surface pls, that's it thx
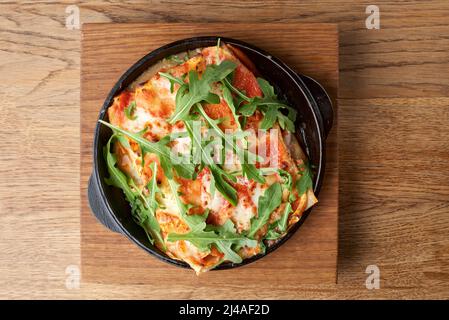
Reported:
(393, 138)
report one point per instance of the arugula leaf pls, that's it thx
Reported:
(305, 181)
(249, 170)
(272, 234)
(287, 179)
(116, 177)
(227, 96)
(278, 228)
(212, 187)
(236, 91)
(198, 90)
(143, 209)
(146, 208)
(269, 99)
(216, 73)
(252, 173)
(272, 108)
(228, 228)
(269, 104)
(226, 247)
(270, 117)
(283, 221)
(200, 239)
(129, 111)
(287, 122)
(223, 237)
(229, 254)
(263, 248)
(203, 239)
(247, 110)
(222, 185)
(123, 141)
(152, 187)
(186, 170)
(287, 184)
(267, 89)
(218, 174)
(270, 200)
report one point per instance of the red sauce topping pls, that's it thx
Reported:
(245, 80)
(125, 98)
(218, 111)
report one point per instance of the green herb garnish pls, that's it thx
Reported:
(287, 179)
(305, 181)
(129, 111)
(220, 176)
(227, 96)
(269, 105)
(248, 170)
(270, 200)
(278, 228)
(223, 237)
(199, 89)
(236, 91)
(186, 170)
(142, 208)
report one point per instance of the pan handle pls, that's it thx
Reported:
(323, 101)
(98, 206)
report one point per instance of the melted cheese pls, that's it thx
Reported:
(243, 213)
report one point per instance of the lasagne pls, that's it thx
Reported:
(206, 155)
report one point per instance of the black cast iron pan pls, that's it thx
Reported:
(313, 124)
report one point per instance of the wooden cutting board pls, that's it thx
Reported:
(310, 256)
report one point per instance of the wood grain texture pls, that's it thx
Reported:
(309, 257)
(393, 119)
